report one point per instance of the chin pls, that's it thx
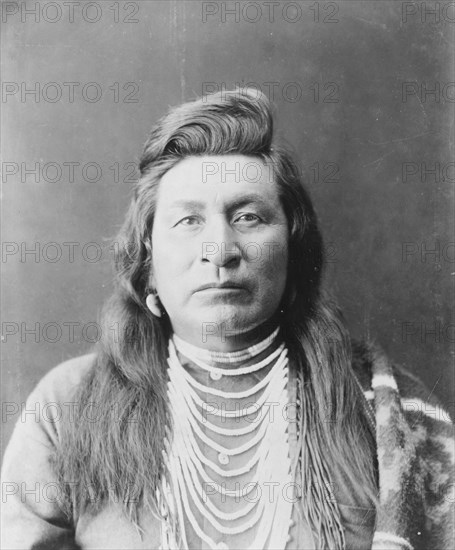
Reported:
(230, 319)
(227, 321)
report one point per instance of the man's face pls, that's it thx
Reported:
(220, 246)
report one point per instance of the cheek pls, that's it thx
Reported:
(270, 265)
(168, 263)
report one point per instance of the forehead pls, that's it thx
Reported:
(221, 177)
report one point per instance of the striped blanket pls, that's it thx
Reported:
(416, 447)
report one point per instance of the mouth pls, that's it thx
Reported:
(220, 287)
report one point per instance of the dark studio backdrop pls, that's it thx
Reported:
(364, 93)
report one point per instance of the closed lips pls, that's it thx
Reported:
(219, 286)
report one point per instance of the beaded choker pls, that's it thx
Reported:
(260, 450)
(194, 352)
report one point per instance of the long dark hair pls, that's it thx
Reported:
(120, 458)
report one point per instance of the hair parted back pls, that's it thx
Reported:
(120, 456)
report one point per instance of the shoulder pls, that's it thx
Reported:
(38, 427)
(415, 442)
(70, 372)
(64, 379)
(54, 397)
(367, 364)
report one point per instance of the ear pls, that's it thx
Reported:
(292, 296)
(152, 303)
(289, 296)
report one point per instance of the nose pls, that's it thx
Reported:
(219, 246)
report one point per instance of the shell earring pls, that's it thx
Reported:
(153, 304)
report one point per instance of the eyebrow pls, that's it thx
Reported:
(182, 203)
(236, 202)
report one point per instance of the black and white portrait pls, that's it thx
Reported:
(228, 260)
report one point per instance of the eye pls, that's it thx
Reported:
(248, 218)
(188, 221)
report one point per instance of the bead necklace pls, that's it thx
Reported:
(231, 395)
(193, 352)
(189, 469)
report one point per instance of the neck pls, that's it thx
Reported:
(226, 341)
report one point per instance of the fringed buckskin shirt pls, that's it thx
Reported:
(415, 447)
